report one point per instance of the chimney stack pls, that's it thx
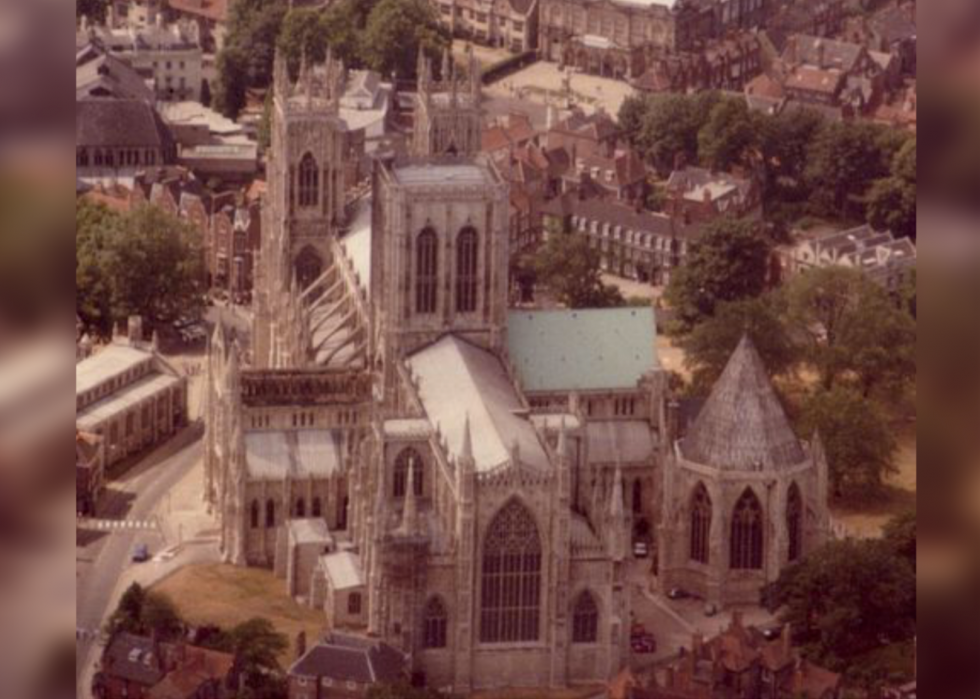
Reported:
(134, 329)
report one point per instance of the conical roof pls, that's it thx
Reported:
(742, 425)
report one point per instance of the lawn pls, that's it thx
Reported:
(225, 595)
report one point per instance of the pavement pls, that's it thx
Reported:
(542, 82)
(160, 489)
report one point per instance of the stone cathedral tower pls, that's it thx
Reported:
(304, 205)
(447, 113)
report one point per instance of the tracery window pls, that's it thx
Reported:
(309, 181)
(354, 603)
(407, 458)
(270, 513)
(466, 276)
(794, 522)
(700, 524)
(426, 271)
(511, 577)
(585, 619)
(317, 508)
(254, 518)
(746, 543)
(308, 267)
(435, 623)
(301, 507)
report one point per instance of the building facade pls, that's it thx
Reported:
(481, 502)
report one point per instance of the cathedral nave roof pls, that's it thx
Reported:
(302, 453)
(626, 441)
(458, 379)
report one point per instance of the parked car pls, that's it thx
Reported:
(644, 643)
(640, 549)
(771, 631)
(678, 593)
(710, 609)
(141, 553)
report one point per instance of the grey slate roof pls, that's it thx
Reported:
(345, 658)
(120, 123)
(133, 658)
(742, 425)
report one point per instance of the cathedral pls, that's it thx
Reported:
(435, 469)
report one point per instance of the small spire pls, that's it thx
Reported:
(467, 451)
(616, 503)
(410, 514)
(446, 64)
(562, 450)
(515, 451)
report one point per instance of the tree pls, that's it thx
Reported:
(901, 534)
(247, 58)
(159, 616)
(859, 443)
(94, 224)
(257, 646)
(127, 616)
(847, 599)
(710, 344)
(156, 264)
(394, 32)
(785, 141)
(303, 33)
(670, 126)
(729, 262)
(206, 96)
(569, 266)
(344, 24)
(842, 162)
(730, 135)
(852, 328)
(892, 200)
(93, 10)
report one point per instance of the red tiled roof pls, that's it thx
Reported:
(814, 79)
(216, 10)
(764, 86)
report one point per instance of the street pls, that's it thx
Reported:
(102, 557)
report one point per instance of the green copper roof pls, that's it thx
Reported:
(583, 350)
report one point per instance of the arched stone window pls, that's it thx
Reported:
(435, 622)
(585, 619)
(407, 457)
(301, 507)
(700, 524)
(270, 513)
(354, 603)
(510, 596)
(467, 249)
(637, 496)
(309, 181)
(254, 515)
(317, 508)
(794, 522)
(309, 266)
(746, 543)
(426, 271)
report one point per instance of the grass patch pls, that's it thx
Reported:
(225, 595)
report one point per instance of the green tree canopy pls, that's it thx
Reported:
(843, 161)
(143, 613)
(858, 440)
(665, 127)
(852, 329)
(729, 262)
(247, 58)
(303, 33)
(848, 599)
(892, 200)
(731, 135)
(257, 646)
(570, 268)
(145, 263)
(394, 32)
(710, 344)
(901, 534)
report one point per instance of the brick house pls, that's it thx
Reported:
(344, 667)
(698, 195)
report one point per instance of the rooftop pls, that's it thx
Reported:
(301, 453)
(114, 360)
(120, 123)
(118, 402)
(460, 381)
(345, 658)
(444, 173)
(343, 568)
(581, 350)
(742, 425)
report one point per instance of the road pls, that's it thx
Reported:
(102, 563)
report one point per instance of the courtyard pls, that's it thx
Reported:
(543, 83)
